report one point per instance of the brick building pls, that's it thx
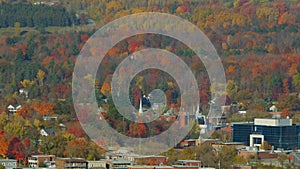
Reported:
(69, 163)
(38, 160)
(150, 160)
(191, 163)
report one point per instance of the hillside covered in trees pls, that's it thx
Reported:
(28, 15)
(257, 40)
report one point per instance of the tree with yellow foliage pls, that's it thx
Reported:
(40, 76)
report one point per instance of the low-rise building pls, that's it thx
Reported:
(38, 160)
(110, 164)
(254, 153)
(138, 159)
(244, 167)
(166, 167)
(191, 163)
(220, 145)
(185, 167)
(149, 167)
(188, 143)
(8, 163)
(96, 164)
(68, 163)
(151, 160)
(118, 164)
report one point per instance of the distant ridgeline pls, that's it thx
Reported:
(29, 15)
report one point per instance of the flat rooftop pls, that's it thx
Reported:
(8, 160)
(147, 166)
(188, 161)
(273, 122)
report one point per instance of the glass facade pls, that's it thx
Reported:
(241, 132)
(286, 137)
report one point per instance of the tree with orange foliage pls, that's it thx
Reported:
(113, 51)
(25, 111)
(47, 109)
(43, 108)
(46, 61)
(105, 88)
(288, 102)
(287, 18)
(3, 145)
(293, 69)
(286, 85)
(181, 9)
(138, 129)
(285, 113)
(77, 147)
(231, 70)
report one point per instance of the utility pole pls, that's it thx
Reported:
(218, 154)
(123, 124)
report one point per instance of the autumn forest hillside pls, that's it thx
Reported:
(258, 42)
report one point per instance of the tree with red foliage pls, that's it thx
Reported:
(137, 94)
(15, 149)
(84, 38)
(138, 129)
(133, 46)
(61, 89)
(286, 113)
(26, 143)
(153, 78)
(75, 128)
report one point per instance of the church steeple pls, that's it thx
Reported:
(141, 108)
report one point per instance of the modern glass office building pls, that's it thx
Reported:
(280, 133)
(241, 132)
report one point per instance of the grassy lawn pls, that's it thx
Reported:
(10, 31)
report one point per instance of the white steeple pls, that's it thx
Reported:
(141, 108)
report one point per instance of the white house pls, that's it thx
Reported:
(242, 112)
(13, 109)
(273, 108)
(47, 132)
(49, 118)
(23, 92)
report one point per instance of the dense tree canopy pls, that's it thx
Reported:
(35, 15)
